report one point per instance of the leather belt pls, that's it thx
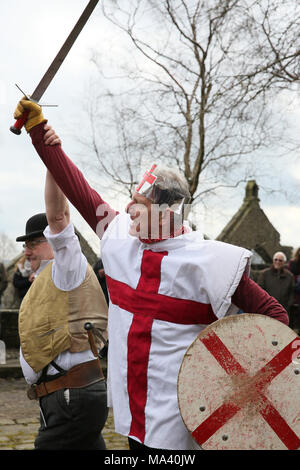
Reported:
(79, 376)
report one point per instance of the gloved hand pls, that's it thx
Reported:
(35, 115)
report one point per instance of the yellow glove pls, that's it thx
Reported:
(35, 115)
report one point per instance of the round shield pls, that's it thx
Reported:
(239, 385)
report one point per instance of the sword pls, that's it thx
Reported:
(56, 63)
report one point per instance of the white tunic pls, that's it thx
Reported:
(161, 296)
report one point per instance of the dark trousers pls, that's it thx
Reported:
(76, 425)
(135, 445)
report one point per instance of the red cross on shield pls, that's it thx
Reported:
(239, 383)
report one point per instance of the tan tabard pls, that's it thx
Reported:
(52, 321)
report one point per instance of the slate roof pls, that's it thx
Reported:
(251, 228)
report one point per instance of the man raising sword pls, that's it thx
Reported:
(166, 283)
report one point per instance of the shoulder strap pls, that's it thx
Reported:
(57, 367)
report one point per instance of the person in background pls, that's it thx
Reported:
(298, 306)
(3, 280)
(23, 277)
(294, 264)
(278, 281)
(294, 267)
(99, 271)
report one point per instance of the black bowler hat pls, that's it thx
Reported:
(35, 227)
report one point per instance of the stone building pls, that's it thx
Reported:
(251, 229)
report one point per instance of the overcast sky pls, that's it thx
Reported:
(31, 33)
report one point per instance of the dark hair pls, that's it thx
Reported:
(297, 255)
(98, 265)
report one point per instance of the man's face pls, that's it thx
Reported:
(278, 261)
(36, 250)
(139, 209)
(149, 220)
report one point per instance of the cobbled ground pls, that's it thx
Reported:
(19, 419)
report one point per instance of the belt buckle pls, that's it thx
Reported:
(31, 392)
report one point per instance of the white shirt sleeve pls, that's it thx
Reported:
(30, 376)
(70, 264)
(65, 360)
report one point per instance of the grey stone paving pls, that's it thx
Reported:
(19, 419)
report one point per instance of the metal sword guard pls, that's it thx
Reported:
(56, 63)
(28, 97)
(89, 327)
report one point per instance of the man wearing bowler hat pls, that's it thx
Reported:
(59, 358)
(36, 247)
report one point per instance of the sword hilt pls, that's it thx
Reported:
(88, 326)
(56, 63)
(16, 128)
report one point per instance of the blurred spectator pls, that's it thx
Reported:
(294, 264)
(294, 267)
(279, 281)
(99, 271)
(3, 280)
(298, 293)
(22, 278)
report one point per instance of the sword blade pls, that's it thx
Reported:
(63, 52)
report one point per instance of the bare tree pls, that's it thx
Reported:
(199, 92)
(275, 54)
(8, 248)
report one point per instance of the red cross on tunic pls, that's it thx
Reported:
(147, 178)
(146, 305)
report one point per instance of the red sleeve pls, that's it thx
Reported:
(251, 298)
(69, 178)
